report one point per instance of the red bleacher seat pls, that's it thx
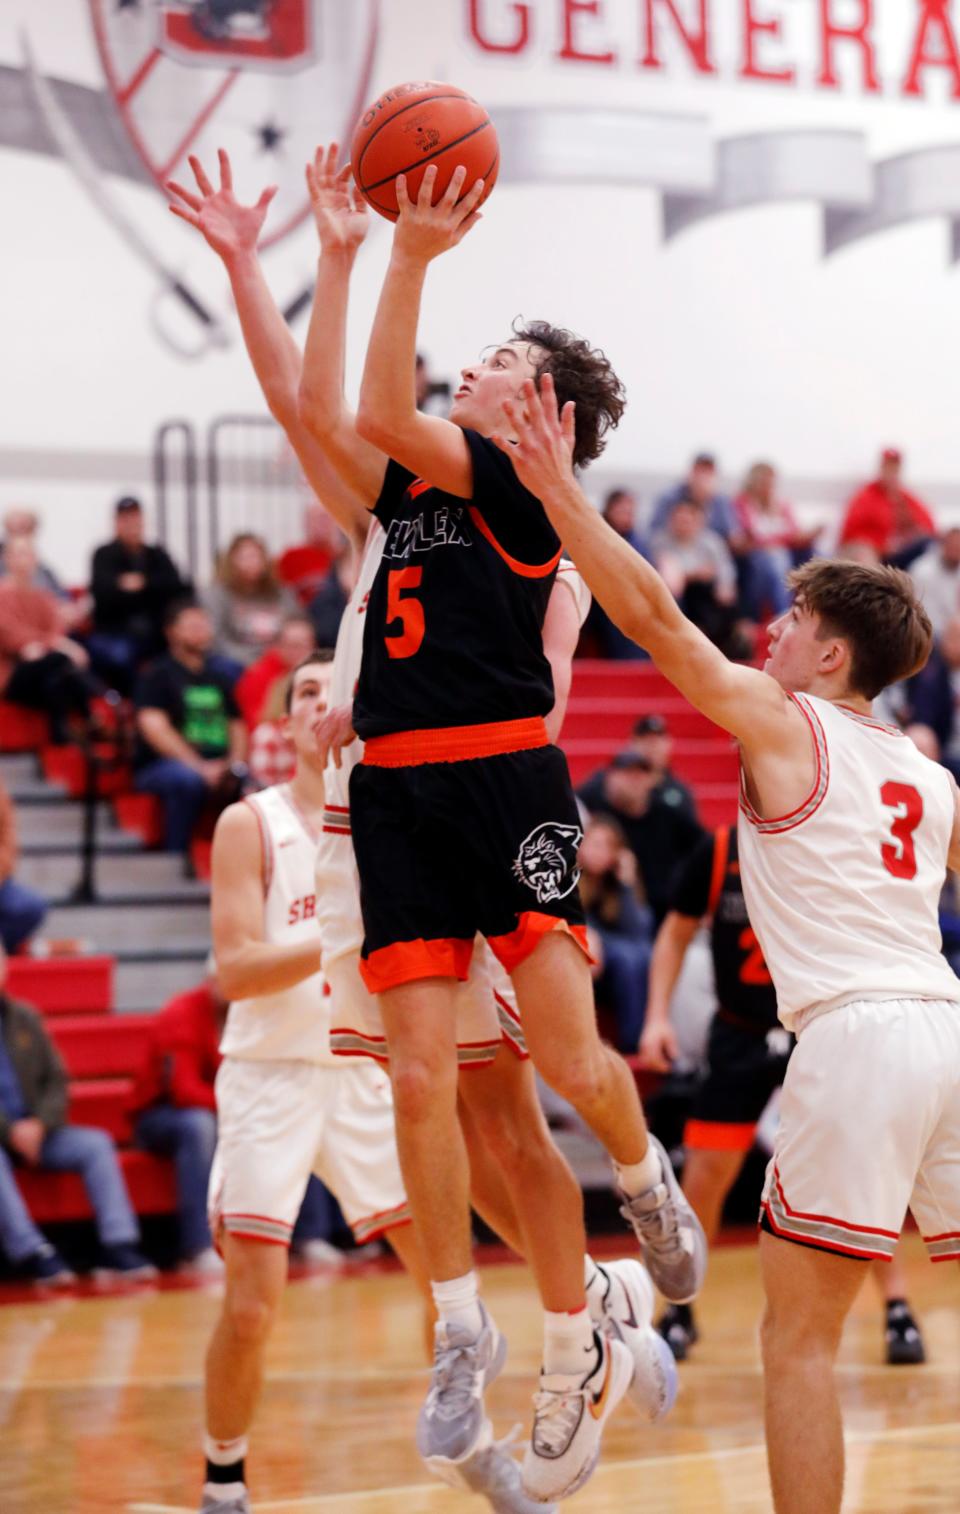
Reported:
(57, 1196)
(63, 985)
(67, 765)
(21, 730)
(142, 814)
(102, 1046)
(104, 1102)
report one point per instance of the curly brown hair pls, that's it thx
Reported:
(580, 373)
(876, 610)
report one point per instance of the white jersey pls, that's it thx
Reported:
(294, 1023)
(337, 880)
(843, 892)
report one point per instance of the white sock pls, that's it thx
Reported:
(458, 1302)
(224, 1453)
(637, 1177)
(568, 1343)
(224, 1492)
(597, 1283)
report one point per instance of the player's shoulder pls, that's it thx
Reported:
(240, 822)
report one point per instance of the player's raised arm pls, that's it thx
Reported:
(748, 703)
(433, 448)
(232, 231)
(341, 219)
(247, 964)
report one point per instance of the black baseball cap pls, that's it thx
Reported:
(705, 460)
(650, 725)
(126, 504)
(630, 759)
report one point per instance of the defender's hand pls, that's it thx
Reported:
(658, 1047)
(542, 454)
(228, 227)
(339, 209)
(333, 731)
(424, 230)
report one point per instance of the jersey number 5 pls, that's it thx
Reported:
(901, 859)
(405, 609)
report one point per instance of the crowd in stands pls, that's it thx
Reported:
(204, 671)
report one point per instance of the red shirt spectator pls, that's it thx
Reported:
(304, 567)
(295, 642)
(184, 1052)
(885, 515)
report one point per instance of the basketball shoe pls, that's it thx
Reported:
(679, 1329)
(495, 1475)
(237, 1503)
(671, 1237)
(569, 1414)
(452, 1425)
(624, 1314)
(902, 1338)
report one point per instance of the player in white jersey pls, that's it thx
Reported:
(846, 833)
(501, 1115)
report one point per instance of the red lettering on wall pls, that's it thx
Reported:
(935, 46)
(860, 32)
(755, 27)
(573, 10)
(696, 42)
(521, 33)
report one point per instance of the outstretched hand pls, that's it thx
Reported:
(425, 230)
(332, 732)
(542, 453)
(339, 209)
(229, 227)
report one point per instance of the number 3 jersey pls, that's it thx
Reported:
(453, 633)
(843, 892)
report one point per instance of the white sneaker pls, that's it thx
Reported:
(205, 1264)
(626, 1315)
(569, 1416)
(320, 1254)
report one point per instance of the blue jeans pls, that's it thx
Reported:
(189, 1136)
(21, 912)
(182, 792)
(623, 983)
(71, 1148)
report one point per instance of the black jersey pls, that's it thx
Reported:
(709, 884)
(453, 632)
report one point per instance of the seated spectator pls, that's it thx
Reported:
(327, 606)
(932, 713)
(886, 518)
(247, 603)
(768, 541)
(40, 668)
(936, 576)
(651, 738)
(659, 834)
(21, 910)
(175, 1108)
(191, 741)
(621, 926)
(619, 510)
(34, 1134)
(21, 522)
(701, 486)
(133, 583)
(698, 569)
(252, 690)
(304, 567)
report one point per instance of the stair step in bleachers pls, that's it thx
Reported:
(137, 872)
(131, 928)
(142, 814)
(102, 1046)
(63, 985)
(67, 765)
(105, 1103)
(616, 718)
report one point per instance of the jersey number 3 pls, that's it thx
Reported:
(900, 857)
(403, 607)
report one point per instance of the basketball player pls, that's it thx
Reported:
(500, 1111)
(463, 819)
(747, 1055)
(845, 833)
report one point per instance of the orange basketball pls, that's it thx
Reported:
(414, 125)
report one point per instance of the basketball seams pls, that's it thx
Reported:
(388, 120)
(428, 158)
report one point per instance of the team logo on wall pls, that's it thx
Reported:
(266, 79)
(547, 860)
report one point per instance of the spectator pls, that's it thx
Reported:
(769, 542)
(936, 575)
(659, 834)
(327, 606)
(699, 571)
(133, 583)
(433, 396)
(303, 568)
(621, 926)
(247, 603)
(191, 740)
(174, 1107)
(21, 910)
(21, 522)
(34, 1134)
(701, 486)
(933, 701)
(885, 517)
(295, 641)
(39, 666)
(620, 511)
(651, 738)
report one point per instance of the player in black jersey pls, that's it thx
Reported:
(747, 1054)
(464, 819)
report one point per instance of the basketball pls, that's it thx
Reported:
(410, 127)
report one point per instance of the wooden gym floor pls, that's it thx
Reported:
(100, 1403)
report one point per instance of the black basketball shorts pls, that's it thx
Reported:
(744, 1066)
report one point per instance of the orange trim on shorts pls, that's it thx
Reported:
(455, 743)
(525, 570)
(515, 947)
(707, 1135)
(408, 961)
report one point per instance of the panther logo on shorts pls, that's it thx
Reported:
(547, 860)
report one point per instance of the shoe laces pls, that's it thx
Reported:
(456, 1378)
(556, 1414)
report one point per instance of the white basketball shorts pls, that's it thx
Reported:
(278, 1122)
(869, 1127)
